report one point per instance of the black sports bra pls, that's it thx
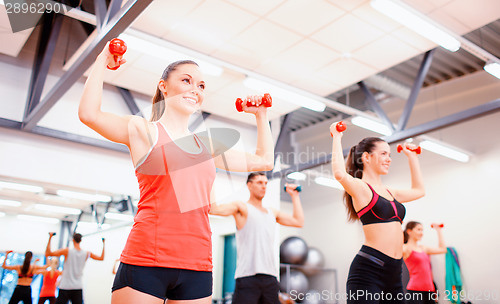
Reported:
(381, 210)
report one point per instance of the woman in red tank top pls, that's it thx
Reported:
(168, 253)
(49, 284)
(416, 257)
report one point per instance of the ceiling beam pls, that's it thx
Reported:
(374, 105)
(47, 40)
(16, 125)
(422, 72)
(113, 28)
(440, 123)
(130, 101)
(100, 9)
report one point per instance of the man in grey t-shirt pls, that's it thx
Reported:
(70, 286)
(256, 269)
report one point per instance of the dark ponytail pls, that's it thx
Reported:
(354, 166)
(409, 226)
(27, 262)
(158, 105)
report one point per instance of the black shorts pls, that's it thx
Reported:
(260, 288)
(164, 283)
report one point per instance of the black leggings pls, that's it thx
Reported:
(42, 300)
(21, 293)
(73, 295)
(375, 278)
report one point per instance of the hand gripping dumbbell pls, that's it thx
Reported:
(341, 127)
(298, 188)
(117, 48)
(440, 225)
(417, 150)
(267, 102)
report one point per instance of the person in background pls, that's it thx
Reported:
(375, 275)
(25, 273)
(50, 280)
(256, 277)
(71, 285)
(416, 257)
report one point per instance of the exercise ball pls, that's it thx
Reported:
(313, 297)
(314, 262)
(297, 281)
(293, 250)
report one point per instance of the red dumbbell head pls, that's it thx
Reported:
(440, 225)
(239, 105)
(340, 127)
(267, 101)
(117, 47)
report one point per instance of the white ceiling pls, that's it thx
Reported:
(317, 46)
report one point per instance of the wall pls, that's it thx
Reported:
(463, 196)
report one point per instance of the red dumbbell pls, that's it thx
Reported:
(267, 102)
(417, 150)
(440, 225)
(117, 48)
(341, 127)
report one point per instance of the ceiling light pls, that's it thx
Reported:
(84, 196)
(328, 182)
(118, 216)
(443, 150)
(371, 125)
(10, 203)
(49, 220)
(155, 47)
(493, 68)
(89, 226)
(21, 187)
(296, 176)
(287, 94)
(57, 209)
(417, 22)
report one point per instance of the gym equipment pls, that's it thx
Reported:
(298, 189)
(341, 127)
(297, 281)
(267, 102)
(313, 297)
(293, 250)
(417, 150)
(117, 48)
(314, 262)
(440, 225)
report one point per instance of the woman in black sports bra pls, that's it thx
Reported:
(375, 273)
(25, 273)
